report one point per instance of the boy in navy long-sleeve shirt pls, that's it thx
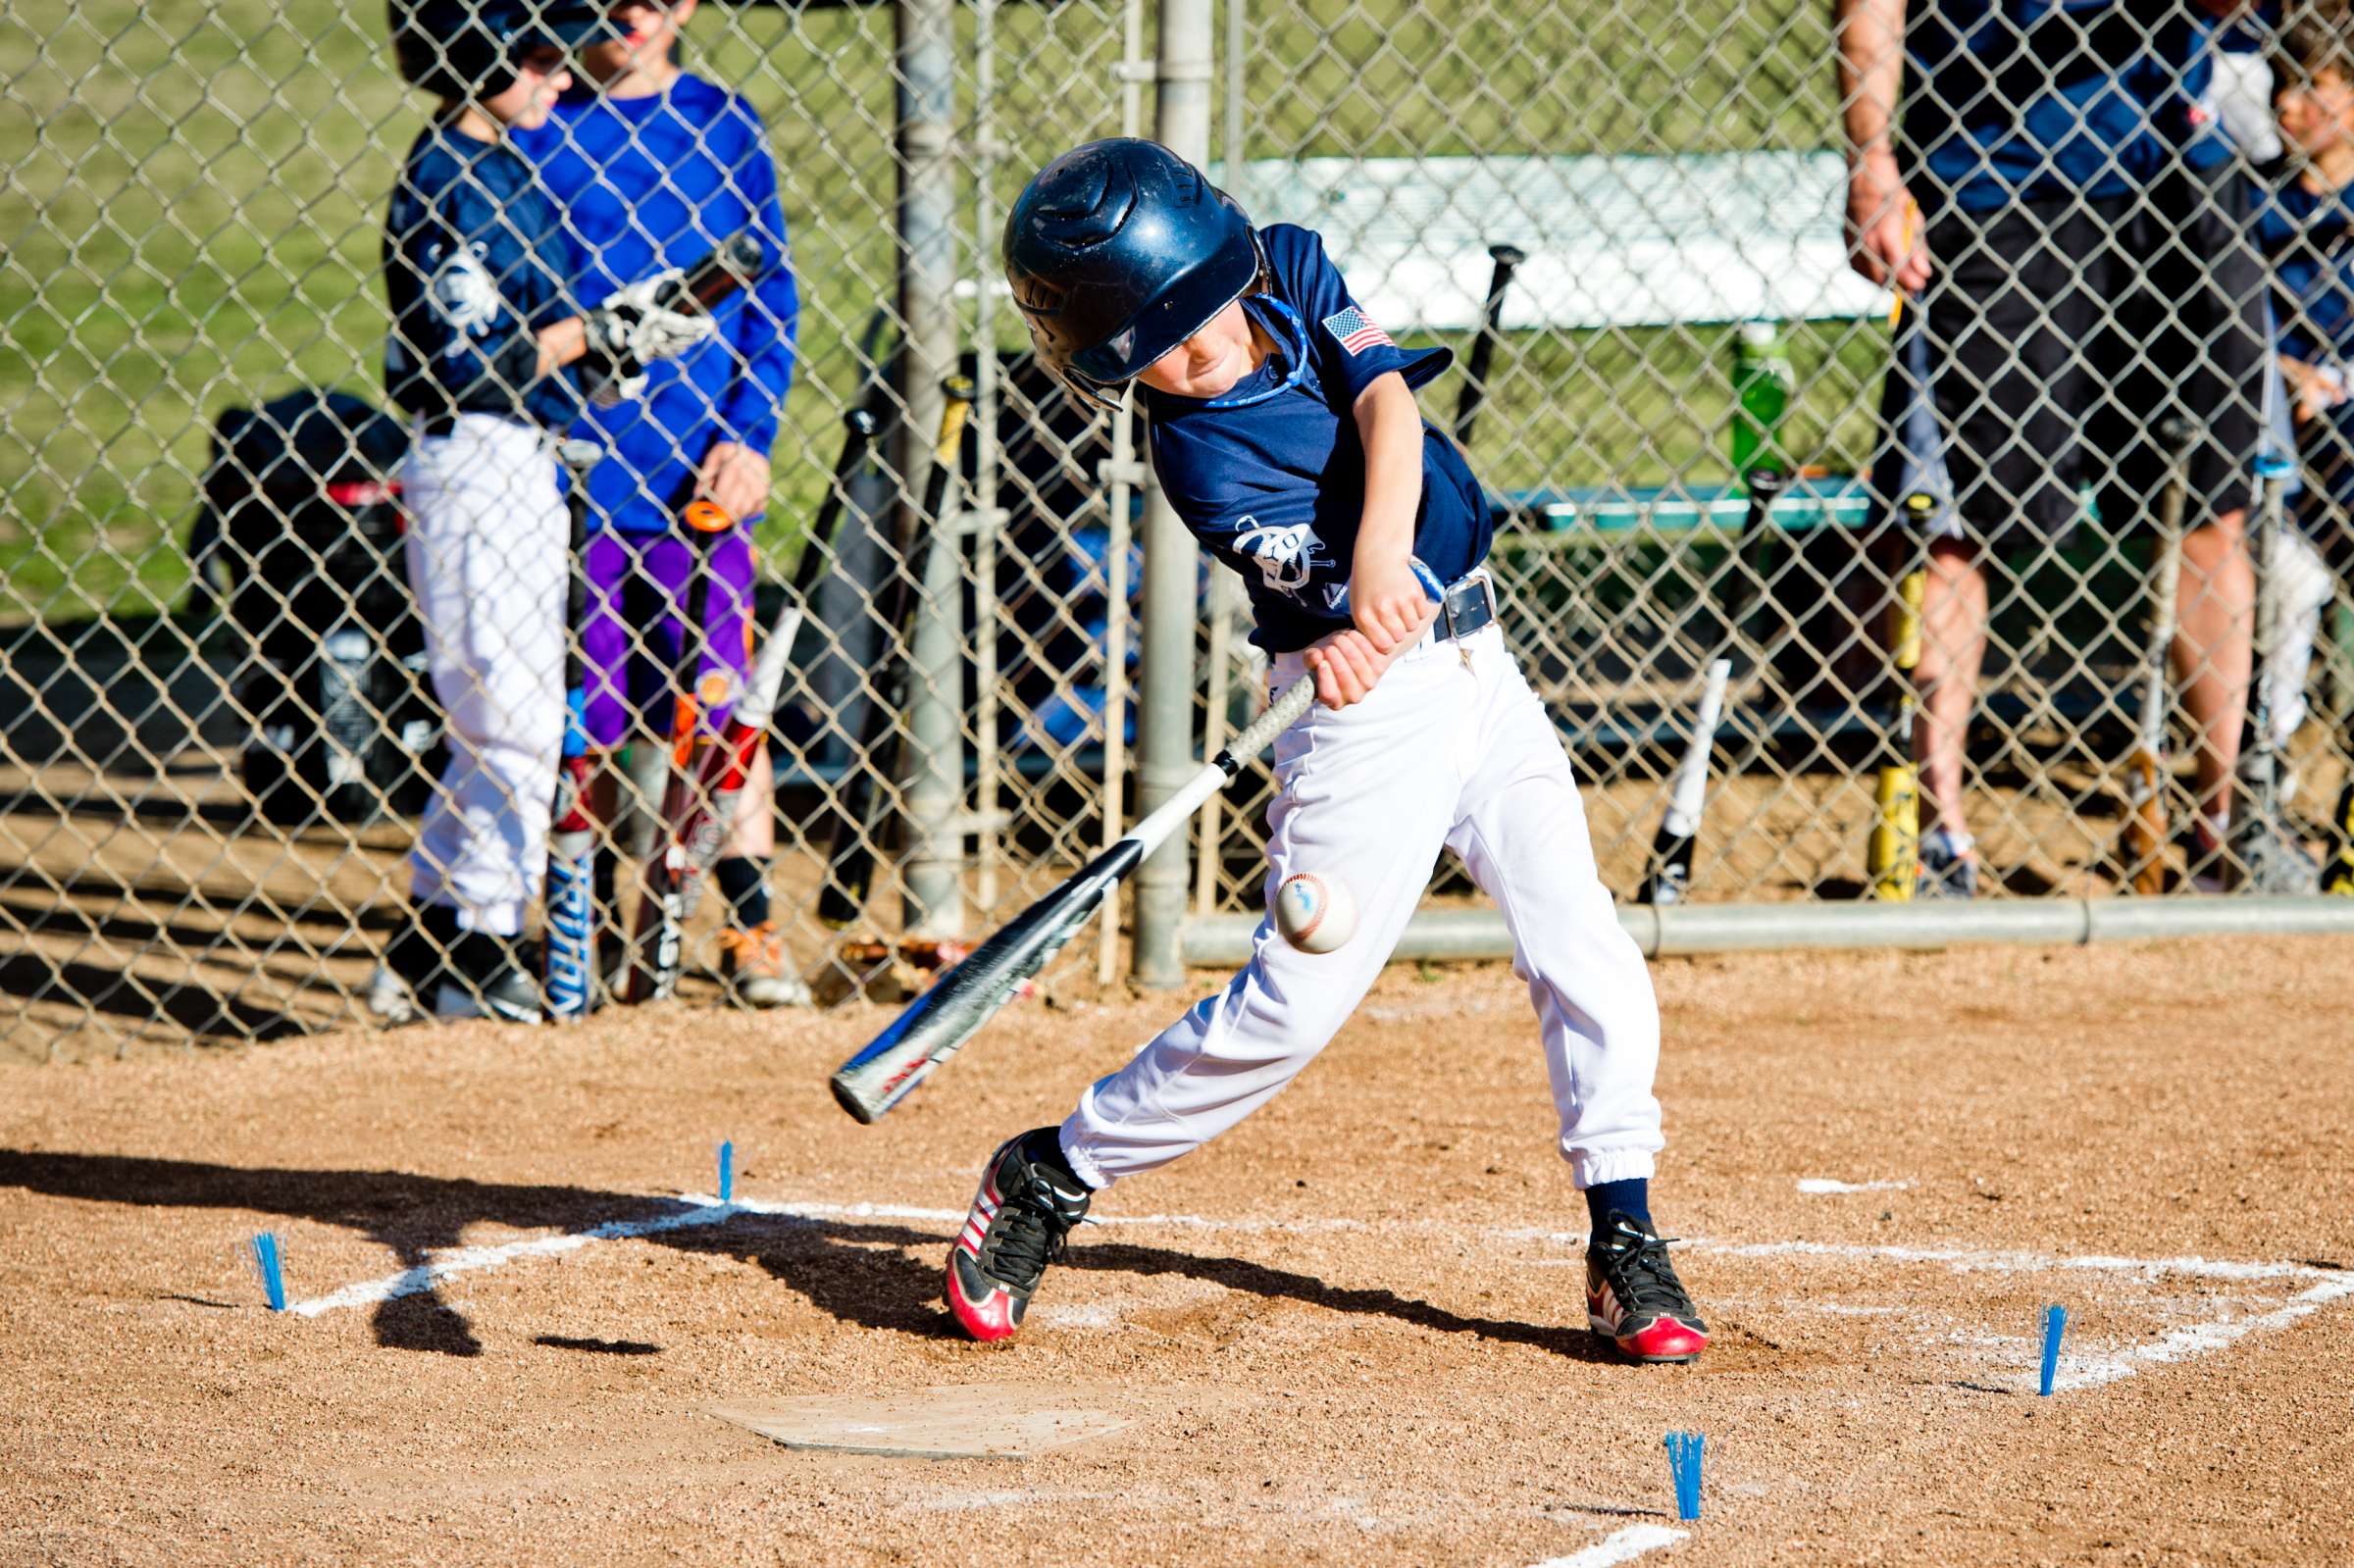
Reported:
(485, 341)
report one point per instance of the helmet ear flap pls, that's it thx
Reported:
(1082, 392)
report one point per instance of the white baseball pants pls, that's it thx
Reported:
(1451, 750)
(487, 543)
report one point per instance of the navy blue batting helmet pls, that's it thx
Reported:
(1118, 252)
(467, 48)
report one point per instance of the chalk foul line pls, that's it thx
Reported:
(2194, 1339)
(2080, 1371)
(1622, 1546)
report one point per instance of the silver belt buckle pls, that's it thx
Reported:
(1469, 605)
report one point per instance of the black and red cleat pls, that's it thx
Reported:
(1028, 1203)
(1633, 1298)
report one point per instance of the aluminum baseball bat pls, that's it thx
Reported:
(937, 1024)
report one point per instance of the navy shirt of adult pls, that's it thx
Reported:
(475, 259)
(1276, 489)
(649, 183)
(2027, 100)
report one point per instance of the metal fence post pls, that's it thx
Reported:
(1165, 708)
(935, 858)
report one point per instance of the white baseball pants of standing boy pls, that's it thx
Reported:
(1452, 750)
(488, 538)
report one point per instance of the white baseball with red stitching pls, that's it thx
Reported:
(1314, 913)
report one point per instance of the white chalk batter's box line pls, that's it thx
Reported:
(2077, 1369)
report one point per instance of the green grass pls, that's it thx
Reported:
(195, 209)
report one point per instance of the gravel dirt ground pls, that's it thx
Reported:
(1351, 1332)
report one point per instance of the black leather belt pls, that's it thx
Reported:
(1469, 604)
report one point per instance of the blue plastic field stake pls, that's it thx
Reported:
(727, 1171)
(2055, 1324)
(274, 1279)
(1684, 1451)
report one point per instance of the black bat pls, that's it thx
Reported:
(1483, 347)
(937, 1024)
(2271, 867)
(1687, 802)
(735, 263)
(858, 805)
(687, 834)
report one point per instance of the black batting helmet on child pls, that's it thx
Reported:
(466, 49)
(1118, 252)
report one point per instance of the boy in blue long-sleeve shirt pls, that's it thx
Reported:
(654, 167)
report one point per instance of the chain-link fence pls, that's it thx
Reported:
(221, 714)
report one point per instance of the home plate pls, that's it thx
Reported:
(962, 1421)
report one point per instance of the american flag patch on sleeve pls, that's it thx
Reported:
(1356, 331)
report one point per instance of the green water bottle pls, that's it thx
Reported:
(1762, 387)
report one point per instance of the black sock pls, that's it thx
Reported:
(1630, 1197)
(743, 883)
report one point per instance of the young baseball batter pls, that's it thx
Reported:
(484, 338)
(1283, 430)
(653, 168)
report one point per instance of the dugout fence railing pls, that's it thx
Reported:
(196, 196)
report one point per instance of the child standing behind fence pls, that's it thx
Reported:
(2304, 224)
(655, 168)
(484, 335)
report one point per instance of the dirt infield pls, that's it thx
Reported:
(1350, 1333)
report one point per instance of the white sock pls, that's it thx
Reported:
(1949, 842)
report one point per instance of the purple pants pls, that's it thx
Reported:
(638, 584)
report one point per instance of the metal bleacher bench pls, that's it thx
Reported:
(1610, 241)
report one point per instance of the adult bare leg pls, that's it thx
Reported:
(2214, 643)
(1953, 647)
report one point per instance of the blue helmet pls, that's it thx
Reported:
(1118, 252)
(467, 48)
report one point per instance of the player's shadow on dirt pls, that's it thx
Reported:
(98, 987)
(878, 1276)
(856, 1271)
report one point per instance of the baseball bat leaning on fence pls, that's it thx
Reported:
(571, 944)
(2272, 867)
(1892, 854)
(937, 1024)
(1483, 347)
(1671, 847)
(2146, 769)
(859, 813)
(687, 834)
(698, 805)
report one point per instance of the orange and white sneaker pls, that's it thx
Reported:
(1633, 1298)
(1028, 1203)
(757, 972)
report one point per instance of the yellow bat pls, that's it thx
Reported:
(1892, 858)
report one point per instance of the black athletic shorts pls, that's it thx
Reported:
(2060, 335)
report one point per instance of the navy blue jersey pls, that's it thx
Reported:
(2304, 234)
(474, 263)
(2030, 100)
(1271, 475)
(2308, 236)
